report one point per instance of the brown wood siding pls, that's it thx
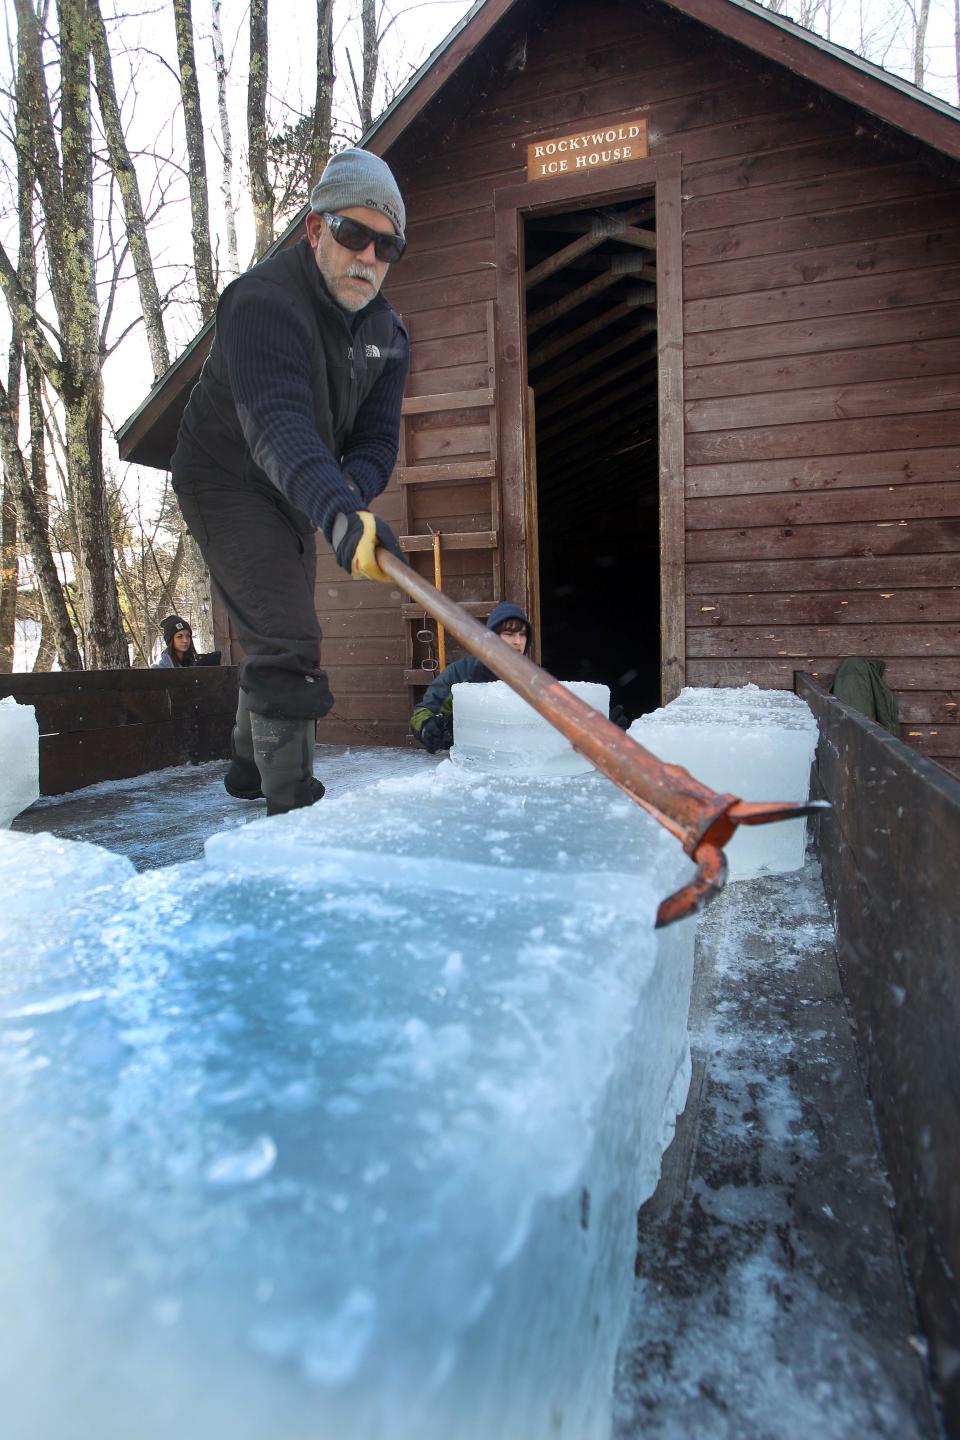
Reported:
(821, 284)
(362, 649)
(823, 424)
(821, 323)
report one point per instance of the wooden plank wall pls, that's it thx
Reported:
(821, 323)
(890, 853)
(110, 724)
(822, 379)
(822, 312)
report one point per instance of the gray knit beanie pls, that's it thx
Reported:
(356, 177)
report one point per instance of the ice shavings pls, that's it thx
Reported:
(738, 1328)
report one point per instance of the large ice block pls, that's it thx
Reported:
(497, 732)
(19, 759)
(342, 1132)
(756, 744)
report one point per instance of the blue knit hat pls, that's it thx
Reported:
(357, 177)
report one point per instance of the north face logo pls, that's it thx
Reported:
(372, 352)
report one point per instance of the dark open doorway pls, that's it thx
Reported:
(592, 366)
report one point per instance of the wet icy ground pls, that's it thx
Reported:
(164, 817)
(769, 1303)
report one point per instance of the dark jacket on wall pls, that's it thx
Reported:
(860, 683)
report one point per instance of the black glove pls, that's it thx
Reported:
(355, 537)
(619, 717)
(436, 734)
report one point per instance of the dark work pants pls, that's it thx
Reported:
(261, 552)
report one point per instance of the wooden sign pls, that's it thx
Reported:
(608, 144)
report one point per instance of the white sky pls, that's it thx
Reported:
(881, 27)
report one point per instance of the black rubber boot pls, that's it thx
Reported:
(242, 779)
(284, 756)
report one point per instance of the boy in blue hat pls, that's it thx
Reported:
(432, 721)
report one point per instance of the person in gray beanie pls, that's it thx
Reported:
(292, 427)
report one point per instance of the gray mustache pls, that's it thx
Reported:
(362, 272)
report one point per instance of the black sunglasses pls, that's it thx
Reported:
(353, 235)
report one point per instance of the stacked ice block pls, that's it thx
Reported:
(756, 744)
(19, 759)
(341, 1132)
(497, 732)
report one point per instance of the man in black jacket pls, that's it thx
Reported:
(293, 426)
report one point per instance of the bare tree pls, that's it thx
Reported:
(323, 109)
(370, 60)
(261, 191)
(196, 163)
(226, 184)
(36, 539)
(9, 580)
(920, 14)
(9, 552)
(122, 167)
(150, 556)
(66, 187)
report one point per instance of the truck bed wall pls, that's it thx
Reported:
(890, 853)
(110, 724)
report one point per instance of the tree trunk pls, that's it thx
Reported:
(371, 60)
(46, 650)
(323, 109)
(920, 43)
(9, 554)
(196, 163)
(226, 187)
(195, 585)
(9, 579)
(126, 176)
(35, 537)
(80, 330)
(261, 193)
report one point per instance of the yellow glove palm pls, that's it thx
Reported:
(355, 538)
(364, 563)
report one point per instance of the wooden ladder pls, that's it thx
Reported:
(474, 453)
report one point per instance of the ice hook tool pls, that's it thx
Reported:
(702, 820)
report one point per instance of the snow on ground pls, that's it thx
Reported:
(769, 1304)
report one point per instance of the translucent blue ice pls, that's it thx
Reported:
(341, 1133)
(19, 759)
(744, 741)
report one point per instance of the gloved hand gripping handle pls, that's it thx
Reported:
(357, 537)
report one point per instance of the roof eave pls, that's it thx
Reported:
(886, 96)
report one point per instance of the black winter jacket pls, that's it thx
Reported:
(291, 392)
